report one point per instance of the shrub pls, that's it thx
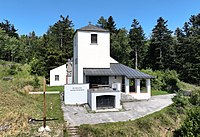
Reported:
(36, 82)
(12, 70)
(195, 98)
(191, 126)
(171, 80)
(164, 80)
(181, 101)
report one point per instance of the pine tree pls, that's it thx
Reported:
(161, 51)
(9, 29)
(187, 47)
(111, 25)
(102, 22)
(58, 43)
(137, 43)
(121, 48)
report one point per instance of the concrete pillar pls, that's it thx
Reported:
(127, 85)
(94, 97)
(137, 85)
(148, 85)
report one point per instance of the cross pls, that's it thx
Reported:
(44, 128)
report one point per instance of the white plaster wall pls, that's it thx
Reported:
(76, 93)
(93, 96)
(61, 71)
(92, 55)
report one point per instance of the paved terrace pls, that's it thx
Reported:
(77, 115)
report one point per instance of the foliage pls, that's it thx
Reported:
(16, 107)
(191, 126)
(195, 97)
(9, 29)
(186, 48)
(36, 83)
(58, 44)
(137, 44)
(164, 80)
(120, 46)
(160, 123)
(182, 118)
(36, 67)
(161, 50)
(12, 70)
(181, 101)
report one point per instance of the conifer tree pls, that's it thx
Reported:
(161, 51)
(137, 44)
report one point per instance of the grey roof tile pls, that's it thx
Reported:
(91, 27)
(116, 69)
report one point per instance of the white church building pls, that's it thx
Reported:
(93, 77)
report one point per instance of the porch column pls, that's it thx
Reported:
(127, 85)
(137, 85)
(94, 102)
(148, 85)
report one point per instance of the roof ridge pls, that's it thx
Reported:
(91, 27)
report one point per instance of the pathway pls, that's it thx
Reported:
(77, 115)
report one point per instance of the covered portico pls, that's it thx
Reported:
(138, 93)
(123, 75)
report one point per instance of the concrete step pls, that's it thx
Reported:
(73, 131)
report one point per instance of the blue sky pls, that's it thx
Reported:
(38, 15)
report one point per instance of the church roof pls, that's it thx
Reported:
(116, 69)
(91, 27)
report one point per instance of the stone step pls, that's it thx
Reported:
(72, 131)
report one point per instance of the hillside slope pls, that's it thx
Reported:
(17, 106)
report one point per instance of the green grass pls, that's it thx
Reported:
(55, 88)
(158, 92)
(161, 123)
(16, 105)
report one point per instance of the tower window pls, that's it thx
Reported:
(94, 38)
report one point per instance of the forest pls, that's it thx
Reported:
(165, 49)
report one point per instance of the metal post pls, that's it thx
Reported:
(44, 111)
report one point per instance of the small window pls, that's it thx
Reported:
(56, 77)
(94, 38)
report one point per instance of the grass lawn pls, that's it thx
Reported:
(158, 124)
(55, 88)
(158, 92)
(17, 106)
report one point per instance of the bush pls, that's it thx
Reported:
(191, 126)
(36, 82)
(171, 81)
(181, 101)
(164, 80)
(12, 70)
(195, 98)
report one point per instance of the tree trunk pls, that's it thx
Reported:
(136, 58)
